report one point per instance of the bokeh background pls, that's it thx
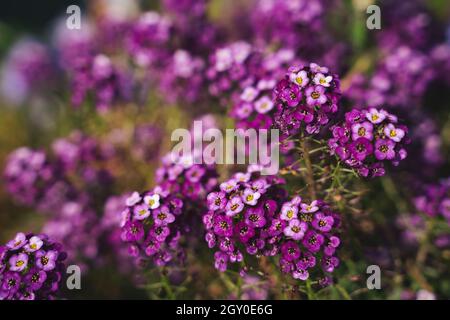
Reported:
(402, 221)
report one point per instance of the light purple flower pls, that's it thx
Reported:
(250, 197)
(18, 262)
(393, 133)
(18, 241)
(375, 116)
(315, 95)
(305, 208)
(34, 244)
(384, 149)
(296, 229)
(234, 206)
(362, 130)
(46, 260)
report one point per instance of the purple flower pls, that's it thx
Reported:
(162, 216)
(300, 78)
(34, 244)
(18, 241)
(35, 278)
(254, 217)
(234, 206)
(18, 262)
(152, 201)
(313, 241)
(300, 274)
(10, 284)
(290, 251)
(133, 231)
(244, 231)
(141, 212)
(361, 148)
(227, 186)
(375, 116)
(220, 261)
(330, 263)
(315, 96)
(223, 226)
(362, 130)
(160, 233)
(291, 96)
(133, 199)
(250, 197)
(393, 133)
(46, 260)
(322, 223)
(309, 208)
(295, 230)
(332, 243)
(289, 211)
(216, 200)
(384, 149)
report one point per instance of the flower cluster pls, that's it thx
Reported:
(367, 139)
(25, 74)
(98, 75)
(31, 267)
(435, 200)
(309, 239)
(305, 99)
(186, 177)
(232, 68)
(152, 226)
(400, 80)
(28, 174)
(182, 78)
(241, 217)
(254, 108)
(76, 226)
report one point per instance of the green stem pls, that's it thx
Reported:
(309, 170)
(167, 287)
(309, 290)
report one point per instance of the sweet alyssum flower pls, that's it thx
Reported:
(241, 220)
(305, 99)
(367, 139)
(151, 226)
(309, 239)
(31, 267)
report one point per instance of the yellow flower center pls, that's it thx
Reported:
(249, 197)
(315, 95)
(375, 117)
(19, 263)
(393, 133)
(299, 80)
(290, 214)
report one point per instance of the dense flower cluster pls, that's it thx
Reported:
(231, 68)
(305, 99)
(31, 267)
(254, 107)
(367, 139)
(241, 217)
(25, 74)
(435, 200)
(152, 226)
(76, 226)
(185, 176)
(183, 78)
(400, 80)
(28, 174)
(309, 237)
